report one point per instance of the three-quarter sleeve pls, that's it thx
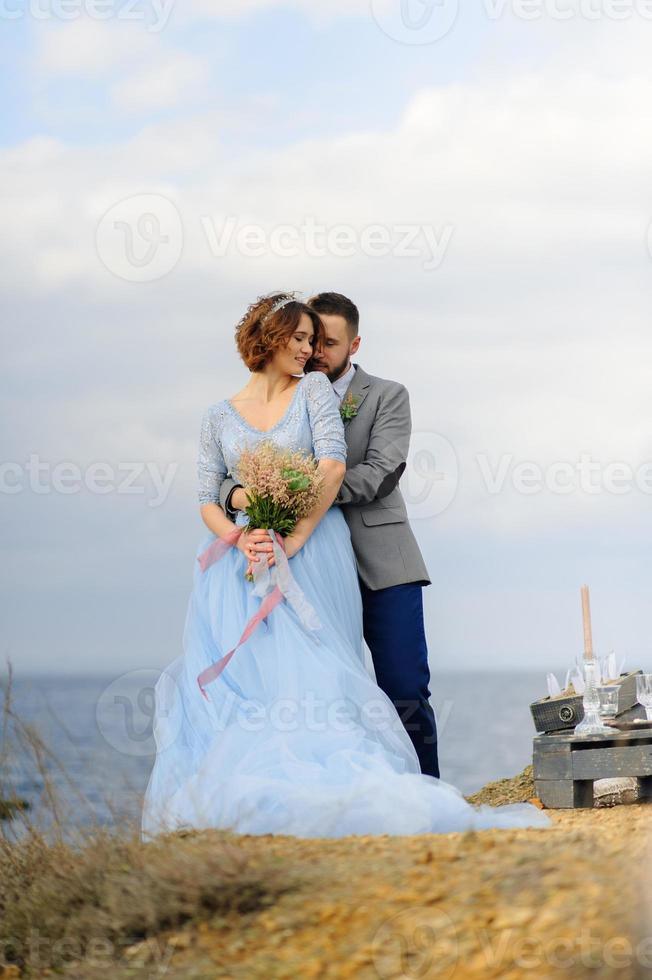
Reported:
(211, 468)
(325, 420)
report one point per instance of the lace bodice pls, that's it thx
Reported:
(312, 423)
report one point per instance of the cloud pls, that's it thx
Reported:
(530, 341)
(208, 9)
(91, 48)
(171, 81)
(142, 72)
(547, 254)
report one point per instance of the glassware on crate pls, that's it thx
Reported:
(591, 723)
(611, 666)
(644, 693)
(608, 694)
(607, 665)
(604, 674)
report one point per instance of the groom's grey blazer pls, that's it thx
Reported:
(377, 440)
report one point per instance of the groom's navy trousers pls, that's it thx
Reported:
(395, 634)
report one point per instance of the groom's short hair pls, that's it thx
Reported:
(336, 304)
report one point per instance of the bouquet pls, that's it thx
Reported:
(282, 487)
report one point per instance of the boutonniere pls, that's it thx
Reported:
(349, 406)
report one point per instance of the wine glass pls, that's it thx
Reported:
(644, 693)
(608, 694)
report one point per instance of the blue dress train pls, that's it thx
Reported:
(296, 737)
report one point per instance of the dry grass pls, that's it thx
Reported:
(9, 809)
(22, 747)
(68, 898)
(194, 905)
(565, 902)
(112, 893)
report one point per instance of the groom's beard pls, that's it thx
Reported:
(334, 373)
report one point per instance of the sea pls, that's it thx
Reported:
(79, 749)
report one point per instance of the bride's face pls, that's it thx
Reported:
(292, 358)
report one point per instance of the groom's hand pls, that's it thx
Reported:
(239, 499)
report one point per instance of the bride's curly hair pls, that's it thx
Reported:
(261, 332)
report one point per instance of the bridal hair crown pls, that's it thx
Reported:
(278, 305)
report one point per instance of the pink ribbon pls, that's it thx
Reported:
(216, 550)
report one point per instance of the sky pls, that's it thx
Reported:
(476, 178)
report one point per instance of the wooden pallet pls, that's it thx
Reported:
(566, 765)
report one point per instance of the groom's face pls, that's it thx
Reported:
(334, 358)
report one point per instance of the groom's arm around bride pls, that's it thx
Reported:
(391, 569)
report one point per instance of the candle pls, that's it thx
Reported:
(586, 619)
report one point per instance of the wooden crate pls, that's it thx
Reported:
(555, 714)
(566, 765)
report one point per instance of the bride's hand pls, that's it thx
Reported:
(293, 543)
(255, 545)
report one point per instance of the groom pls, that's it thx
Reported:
(391, 569)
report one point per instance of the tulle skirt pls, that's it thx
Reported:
(296, 737)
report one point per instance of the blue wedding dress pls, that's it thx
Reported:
(296, 737)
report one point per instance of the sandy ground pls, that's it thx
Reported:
(570, 901)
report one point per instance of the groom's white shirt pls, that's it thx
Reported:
(343, 382)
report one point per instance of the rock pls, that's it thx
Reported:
(139, 952)
(613, 792)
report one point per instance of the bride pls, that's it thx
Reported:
(289, 734)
